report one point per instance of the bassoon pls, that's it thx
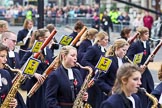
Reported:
(53, 64)
(45, 43)
(153, 53)
(130, 41)
(36, 55)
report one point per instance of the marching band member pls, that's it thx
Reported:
(5, 78)
(46, 57)
(116, 53)
(157, 92)
(9, 39)
(125, 33)
(128, 80)
(142, 46)
(28, 24)
(77, 28)
(91, 59)
(54, 44)
(86, 40)
(65, 82)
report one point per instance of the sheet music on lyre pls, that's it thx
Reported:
(28, 35)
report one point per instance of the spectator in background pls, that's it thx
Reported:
(137, 22)
(148, 21)
(121, 18)
(96, 21)
(114, 13)
(106, 23)
(29, 14)
(127, 19)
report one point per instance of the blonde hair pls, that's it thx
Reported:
(3, 24)
(142, 30)
(36, 34)
(89, 34)
(119, 43)
(100, 36)
(26, 22)
(64, 51)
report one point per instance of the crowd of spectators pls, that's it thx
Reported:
(17, 12)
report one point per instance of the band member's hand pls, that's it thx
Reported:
(39, 77)
(143, 67)
(13, 103)
(85, 96)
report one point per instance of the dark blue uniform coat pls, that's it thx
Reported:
(147, 80)
(74, 34)
(120, 101)
(58, 90)
(14, 62)
(91, 59)
(6, 85)
(92, 56)
(83, 48)
(38, 99)
(157, 93)
(21, 35)
(106, 80)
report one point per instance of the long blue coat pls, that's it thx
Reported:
(73, 34)
(14, 62)
(92, 56)
(157, 93)
(38, 99)
(106, 80)
(147, 80)
(6, 85)
(120, 101)
(20, 36)
(82, 49)
(58, 90)
(91, 59)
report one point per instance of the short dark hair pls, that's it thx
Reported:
(78, 25)
(50, 27)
